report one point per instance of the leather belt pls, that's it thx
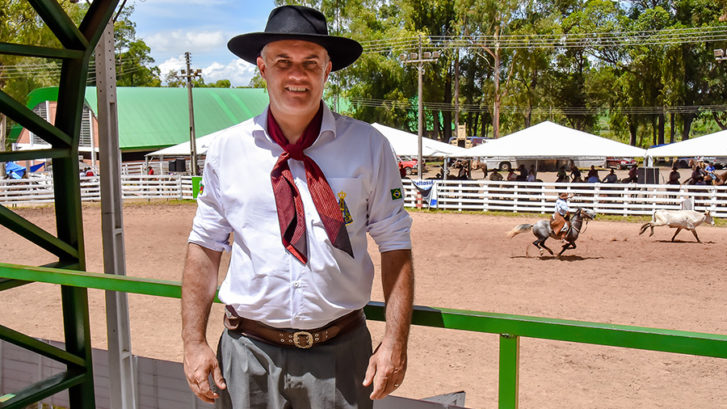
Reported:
(289, 337)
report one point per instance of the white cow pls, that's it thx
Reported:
(678, 219)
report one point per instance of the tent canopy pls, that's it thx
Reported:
(404, 144)
(708, 145)
(547, 140)
(407, 144)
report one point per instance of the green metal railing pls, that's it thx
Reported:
(510, 327)
(77, 44)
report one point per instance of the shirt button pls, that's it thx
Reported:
(296, 284)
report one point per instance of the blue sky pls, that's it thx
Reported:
(202, 27)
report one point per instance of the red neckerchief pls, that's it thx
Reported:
(287, 197)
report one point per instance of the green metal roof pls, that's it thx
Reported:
(152, 118)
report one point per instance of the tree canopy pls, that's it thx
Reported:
(642, 71)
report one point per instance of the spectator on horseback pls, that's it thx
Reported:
(611, 177)
(674, 176)
(575, 174)
(593, 175)
(511, 176)
(495, 175)
(560, 223)
(633, 175)
(562, 175)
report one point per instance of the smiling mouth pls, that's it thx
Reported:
(296, 89)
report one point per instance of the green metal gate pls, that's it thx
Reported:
(78, 43)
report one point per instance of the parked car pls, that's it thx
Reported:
(620, 163)
(406, 167)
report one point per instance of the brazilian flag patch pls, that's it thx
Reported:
(396, 194)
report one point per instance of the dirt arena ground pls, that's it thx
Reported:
(462, 261)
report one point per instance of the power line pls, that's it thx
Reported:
(475, 107)
(555, 40)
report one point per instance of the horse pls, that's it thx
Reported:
(542, 231)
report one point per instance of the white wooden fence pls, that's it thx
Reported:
(459, 195)
(539, 197)
(40, 189)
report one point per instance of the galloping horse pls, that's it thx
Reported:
(542, 231)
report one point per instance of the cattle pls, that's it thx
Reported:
(678, 219)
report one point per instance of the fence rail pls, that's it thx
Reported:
(538, 197)
(459, 195)
(510, 327)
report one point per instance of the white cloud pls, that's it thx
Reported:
(179, 41)
(237, 71)
(171, 64)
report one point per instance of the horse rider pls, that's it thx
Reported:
(560, 222)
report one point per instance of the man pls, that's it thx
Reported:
(611, 177)
(560, 222)
(633, 174)
(299, 186)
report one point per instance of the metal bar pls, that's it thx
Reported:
(94, 23)
(35, 154)
(122, 393)
(135, 285)
(60, 24)
(66, 183)
(509, 370)
(40, 347)
(652, 339)
(77, 330)
(39, 390)
(30, 231)
(34, 51)
(32, 122)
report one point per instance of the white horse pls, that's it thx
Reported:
(542, 231)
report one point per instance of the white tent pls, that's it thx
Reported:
(203, 142)
(547, 140)
(406, 144)
(708, 145)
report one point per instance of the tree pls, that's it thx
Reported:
(134, 66)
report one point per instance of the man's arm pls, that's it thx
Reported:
(387, 365)
(199, 284)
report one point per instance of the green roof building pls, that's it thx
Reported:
(152, 118)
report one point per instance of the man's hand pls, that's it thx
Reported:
(199, 362)
(386, 370)
(387, 365)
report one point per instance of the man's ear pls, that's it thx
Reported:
(261, 66)
(329, 66)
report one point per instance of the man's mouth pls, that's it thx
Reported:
(296, 89)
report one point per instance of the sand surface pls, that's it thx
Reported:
(462, 261)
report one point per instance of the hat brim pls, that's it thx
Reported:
(342, 51)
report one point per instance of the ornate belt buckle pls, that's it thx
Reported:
(303, 339)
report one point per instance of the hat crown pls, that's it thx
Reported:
(296, 20)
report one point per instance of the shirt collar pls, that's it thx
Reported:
(328, 124)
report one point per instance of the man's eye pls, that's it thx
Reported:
(283, 63)
(311, 65)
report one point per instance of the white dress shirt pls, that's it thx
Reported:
(264, 281)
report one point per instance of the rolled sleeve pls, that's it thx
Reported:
(389, 224)
(210, 228)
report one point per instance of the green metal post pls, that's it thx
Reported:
(77, 326)
(509, 369)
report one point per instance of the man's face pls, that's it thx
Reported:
(295, 72)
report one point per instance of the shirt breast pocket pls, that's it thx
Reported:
(352, 200)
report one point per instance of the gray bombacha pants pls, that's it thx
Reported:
(264, 376)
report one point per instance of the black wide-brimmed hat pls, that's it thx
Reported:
(297, 23)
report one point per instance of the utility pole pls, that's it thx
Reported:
(189, 74)
(420, 58)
